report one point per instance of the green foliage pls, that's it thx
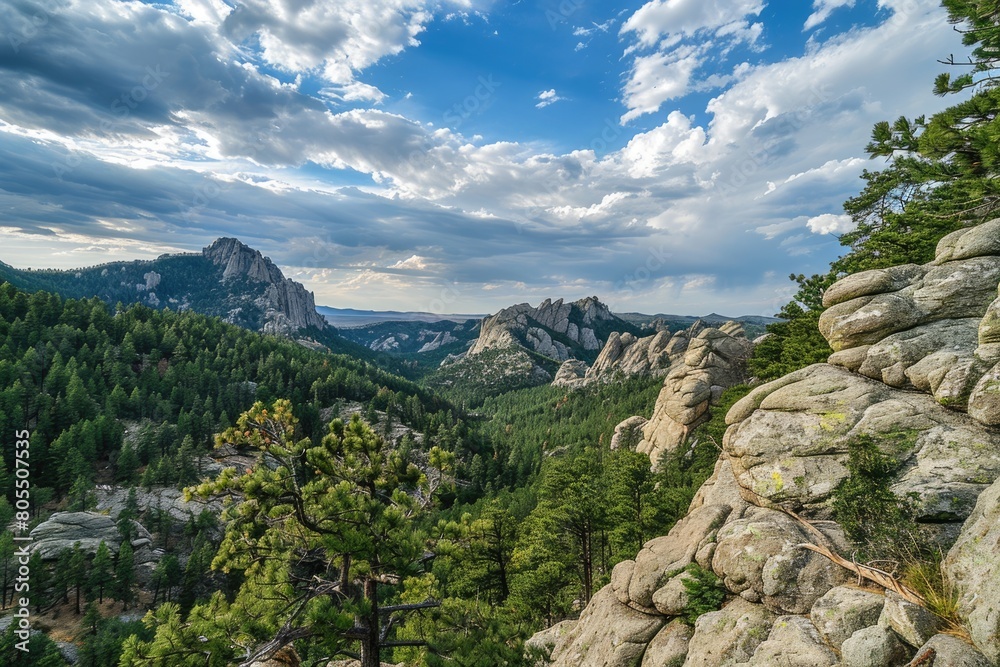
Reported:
(320, 529)
(104, 639)
(704, 590)
(880, 523)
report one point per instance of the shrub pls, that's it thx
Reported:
(705, 592)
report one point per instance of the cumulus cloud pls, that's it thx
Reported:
(663, 18)
(663, 25)
(335, 37)
(657, 78)
(829, 223)
(211, 150)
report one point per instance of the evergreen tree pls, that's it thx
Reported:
(124, 582)
(101, 573)
(350, 502)
(78, 574)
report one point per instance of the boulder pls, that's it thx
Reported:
(628, 433)
(789, 442)
(728, 636)
(793, 642)
(64, 529)
(671, 598)
(608, 633)
(950, 651)
(914, 624)
(874, 647)
(972, 568)
(669, 647)
(843, 611)
(758, 557)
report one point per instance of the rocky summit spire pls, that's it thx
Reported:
(286, 305)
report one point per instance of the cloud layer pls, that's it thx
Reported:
(180, 124)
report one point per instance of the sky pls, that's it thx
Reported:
(671, 156)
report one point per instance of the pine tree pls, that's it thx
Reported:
(101, 573)
(78, 575)
(124, 583)
(349, 501)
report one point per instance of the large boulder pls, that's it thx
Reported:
(759, 558)
(950, 651)
(793, 642)
(669, 647)
(609, 634)
(729, 636)
(789, 441)
(874, 646)
(843, 611)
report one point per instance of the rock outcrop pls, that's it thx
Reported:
(286, 305)
(712, 360)
(625, 355)
(89, 529)
(915, 373)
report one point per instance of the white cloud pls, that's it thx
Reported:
(664, 25)
(660, 18)
(595, 27)
(547, 97)
(829, 223)
(822, 9)
(671, 143)
(355, 91)
(412, 263)
(657, 78)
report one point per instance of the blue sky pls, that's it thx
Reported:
(458, 155)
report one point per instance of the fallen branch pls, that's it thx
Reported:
(880, 577)
(872, 574)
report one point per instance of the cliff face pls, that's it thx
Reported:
(286, 306)
(916, 371)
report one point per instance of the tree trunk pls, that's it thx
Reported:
(370, 642)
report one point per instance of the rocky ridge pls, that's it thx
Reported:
(553, 329)
(915, 372)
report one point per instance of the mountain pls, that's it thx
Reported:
(351, 317)
(554, 329)
(754, 325)
(524, 345)
(425, 344)
(227, 279)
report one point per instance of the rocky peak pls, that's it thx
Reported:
(286, 305)
(540, 328)
(242, 261)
